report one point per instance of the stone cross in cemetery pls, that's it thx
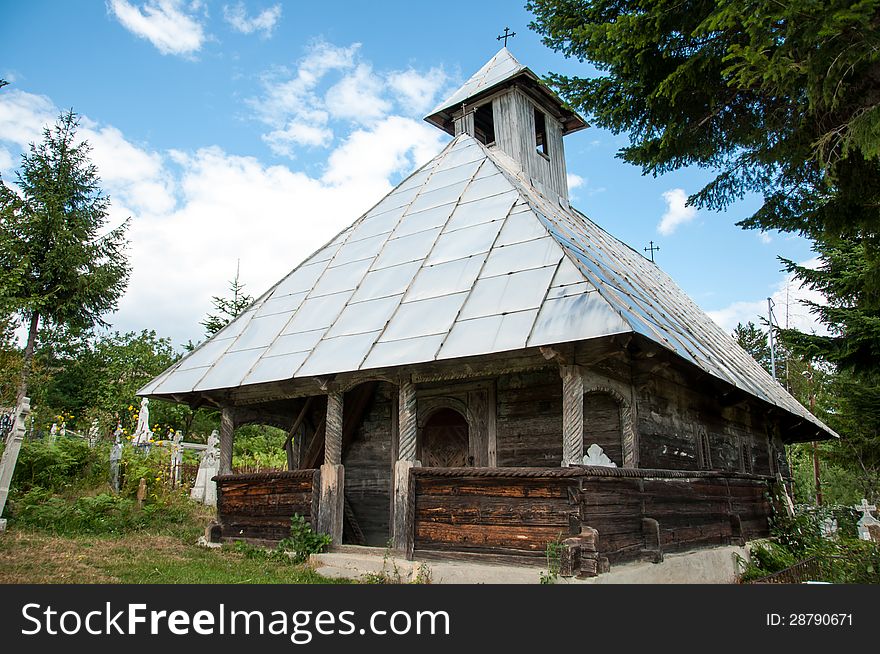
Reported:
(869, 526)
(142, 433)
(93, 433)
(205, 490)
(10, 454)
(115, 457)
(176, 459)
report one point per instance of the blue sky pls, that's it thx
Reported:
(255, 131)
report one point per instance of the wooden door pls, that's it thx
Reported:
(445, 440)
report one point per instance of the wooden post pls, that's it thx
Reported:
(141, 492)
(227, 427)
(293, 444)
(332, 507)
(333, 429)
(406, 423)
(401, 525)
(572, 415)
(10, 453)
(332, 504)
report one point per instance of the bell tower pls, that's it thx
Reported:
(505, 106)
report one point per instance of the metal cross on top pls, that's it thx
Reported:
(652, 250)
(507, 35)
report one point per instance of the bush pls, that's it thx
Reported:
(841, 558)
(303, 541)
(69, 463)
(102, 514)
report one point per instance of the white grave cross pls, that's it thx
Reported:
(867, 520)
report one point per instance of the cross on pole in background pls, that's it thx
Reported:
(507, 35)
(652, 250)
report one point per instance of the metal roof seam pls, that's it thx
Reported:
(449, 148)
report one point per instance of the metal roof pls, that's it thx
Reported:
(499, 68)
(502, 68)
(463, 258)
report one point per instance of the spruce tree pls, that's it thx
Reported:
(59, 265)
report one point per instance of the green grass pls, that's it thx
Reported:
(140, 558)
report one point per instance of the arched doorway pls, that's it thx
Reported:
(444, 440)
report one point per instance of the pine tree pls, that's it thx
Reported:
(58, 265)
(227, 308)
(753, 340)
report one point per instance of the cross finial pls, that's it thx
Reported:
(507, 35)
(652, 249)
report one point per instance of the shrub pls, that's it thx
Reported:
(68, 463)
(303, 541)
(101, 514)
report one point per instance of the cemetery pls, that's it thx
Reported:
(473, 378)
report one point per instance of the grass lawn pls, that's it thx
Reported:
(28, 557)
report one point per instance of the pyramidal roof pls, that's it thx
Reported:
(498, 70)
(463, 258)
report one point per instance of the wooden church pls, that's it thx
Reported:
(475, 368)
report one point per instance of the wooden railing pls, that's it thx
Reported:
(637, 512)
(258, 506)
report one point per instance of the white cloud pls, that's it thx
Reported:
(766, 239)
(6, 161)
(329, 90)
(263, 22)
(395, 145)
(195, 213)
(24, 115)
(416, 90)
(574, 181)
(164, 23)
(357, 97)
(788, 296)
(677, 213)
(291, 107)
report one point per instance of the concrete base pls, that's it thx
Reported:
(2, 525)
(709, 566)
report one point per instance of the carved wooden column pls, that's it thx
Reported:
(406, 458)
(572, 415)
(227, 427)
(332, 507)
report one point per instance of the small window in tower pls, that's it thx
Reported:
(541, 132)
(484, 124)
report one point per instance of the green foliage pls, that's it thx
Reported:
(227, 308)
(259, 447)
(842, 558)
(294, 549)
(53, 486)
(553, 553)
(753, 340)
(58, 263)
(68, 464)
(778, 99)
(101, 514)
(303, 541)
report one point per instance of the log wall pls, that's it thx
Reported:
(258, 507)
(529, 418)
(517, 511)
